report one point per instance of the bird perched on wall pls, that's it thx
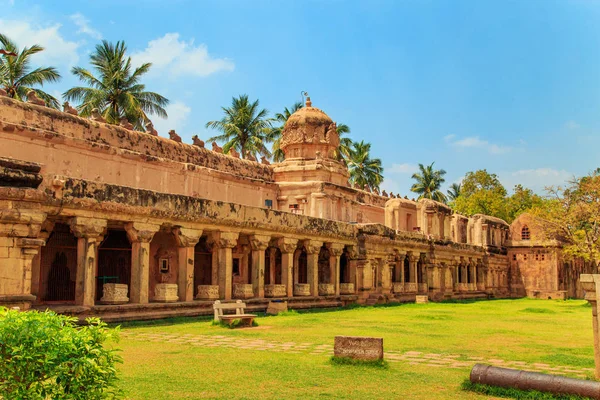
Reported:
(32, 98)
(216, 148)
(174, 136)
(264, 161)
(96, 116)
(197, 141)
(384, 194)
(68, 109)
(234, 153)
(150, 129)
(124, 123)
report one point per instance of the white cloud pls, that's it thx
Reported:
(476, 142)
(402, 168)
(58, 51)
(178, 113)
(84, 26)
(572, 125)
(449, 138)
(536, 179)
(179, 57)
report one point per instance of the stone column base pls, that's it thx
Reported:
(398, 287)
(114, 293)
(326, 289)
(208, 292)
(275, 291)
(301, 289)
(166, 292)
(347, 288)
(243, 291)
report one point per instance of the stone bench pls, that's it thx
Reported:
(238, 306)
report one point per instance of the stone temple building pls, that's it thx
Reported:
(98, 219)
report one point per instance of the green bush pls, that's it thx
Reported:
(44, 355)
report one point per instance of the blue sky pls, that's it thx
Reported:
(510, 86)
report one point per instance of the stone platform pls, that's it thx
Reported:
(139, 312)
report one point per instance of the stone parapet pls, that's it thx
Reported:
(55, 126)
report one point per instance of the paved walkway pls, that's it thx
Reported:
(409, 357)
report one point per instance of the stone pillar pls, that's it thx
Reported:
(591, 284)
(335, 251)
(225, 242)
(259, 244)
(186, 241)
(413, 269)
(88, 232)
(287, 246)
(313, 248)
(464, 271)
(272, 266)
(140, 235)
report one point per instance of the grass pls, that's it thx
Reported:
(497, 329)
(363, 363)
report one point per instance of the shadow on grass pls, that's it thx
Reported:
(361, 363)
(512, 393)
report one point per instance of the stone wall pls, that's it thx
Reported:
(70, 146)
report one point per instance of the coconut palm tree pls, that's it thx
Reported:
(275, 134)
(429, 182)
(245, 127)
(16, 75)
(116, 90)
(363, 169)
(345, 142)
(454, 191)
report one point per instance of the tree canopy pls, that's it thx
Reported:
(244, 126)
(116, 90)
(17, 76)
(364, 170)
(429, 182)
(572, 215)
(482, 193)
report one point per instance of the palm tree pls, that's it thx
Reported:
(116, 91)
(16, 76)
(429, 182)
(454, 191)
(345, 142)
(245, 127)
(275, 134)
(363, 169)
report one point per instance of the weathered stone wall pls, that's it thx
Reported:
(70, 146)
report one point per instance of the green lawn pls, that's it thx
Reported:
(557, 333)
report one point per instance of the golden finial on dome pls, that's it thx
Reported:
(308, 102)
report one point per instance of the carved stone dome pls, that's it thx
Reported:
(309, 133)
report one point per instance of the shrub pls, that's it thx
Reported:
(44, 355)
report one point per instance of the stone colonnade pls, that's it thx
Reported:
(420, 272)
(91, 231)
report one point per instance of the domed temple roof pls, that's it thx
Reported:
(309, 133)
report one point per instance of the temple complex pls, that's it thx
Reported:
(98, 219)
